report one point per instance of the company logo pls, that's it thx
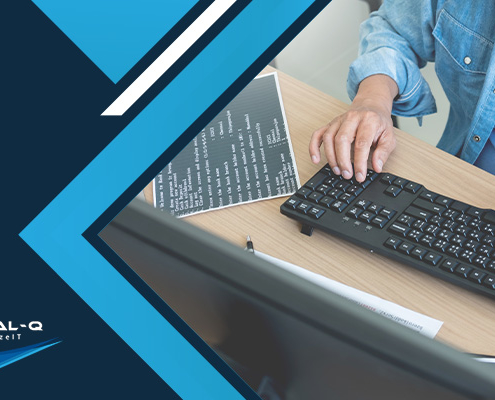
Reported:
(14, 332)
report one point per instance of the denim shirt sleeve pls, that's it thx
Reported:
(397, 41)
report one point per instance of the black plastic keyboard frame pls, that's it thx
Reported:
(372, 237)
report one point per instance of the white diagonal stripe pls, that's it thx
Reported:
(168, 57)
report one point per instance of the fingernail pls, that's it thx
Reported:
(380, 164)
(315, 159)
(359, 176)
(336, 170)
(346, 174)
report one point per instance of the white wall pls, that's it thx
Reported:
(321, 54)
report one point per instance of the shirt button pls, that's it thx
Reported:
(467, 60)
(476, 138)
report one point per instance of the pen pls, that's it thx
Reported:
(249, 244)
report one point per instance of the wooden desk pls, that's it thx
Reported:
(469, 319)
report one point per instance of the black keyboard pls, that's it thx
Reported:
(404, 221)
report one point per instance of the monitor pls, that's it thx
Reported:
(282, 334)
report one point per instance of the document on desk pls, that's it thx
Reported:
(411, 319)
(243, 155)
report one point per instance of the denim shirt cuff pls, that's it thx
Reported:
(415, 98)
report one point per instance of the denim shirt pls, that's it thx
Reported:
(458, 35)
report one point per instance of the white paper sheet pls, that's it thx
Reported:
(411, 319)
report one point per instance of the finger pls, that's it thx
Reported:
(315, 143)
(329, 147)
(384, 147)
(364, 140)
(343, 141)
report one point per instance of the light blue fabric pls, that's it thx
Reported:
(486, 160)
(458, 36)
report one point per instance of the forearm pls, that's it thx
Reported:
(377, 91)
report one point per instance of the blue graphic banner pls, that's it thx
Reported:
(82, 167)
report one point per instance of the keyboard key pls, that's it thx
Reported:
(485, 250)
(316, 180)
(387, 178)
(440, 245)
(463, 270)
(303, 207)
(419, 225)
(371, 175)
(432, 230)
(488, 240)
(399, 229)
(406, 220)
(444, 201)
(354, 212)
(293, 202)
(418, 253)
(412, 187)
(366, 216)
(347, 198)
(466, 255)
(475, 212)
(427, 195)
(489, 217)
(487, 228)
(431, 207)
(400, 182)
(427, 240)
(304, 192)
(343, 185)
(453, 250)
(432, 258)
(471, 245)
(480, 261)
(362, 203)
(474, 224)
(449, 265)
(449, 213)
(315, 197)
(387, 213)
(405, 248)
(458, 206)
(445, 235)
(489, 282)
(462, 219)
(326, 201)
(415, 235)
(490, 265)
(462, 230)
(316, 212)
(335, 193)
(392, 242)
(327, 170)
(332, 181)
(375, 208)
(338, 206)
(436, 219)
(379, 221)
(355, 190)
(323, 188)
(449, 225)
(457, 239)
(418, 213)
(393, 191)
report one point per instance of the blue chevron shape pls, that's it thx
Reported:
(10, 356)
(56, 233)
(115, 34)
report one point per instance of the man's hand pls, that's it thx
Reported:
(367, 124)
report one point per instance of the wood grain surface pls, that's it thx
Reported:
(469, 319)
